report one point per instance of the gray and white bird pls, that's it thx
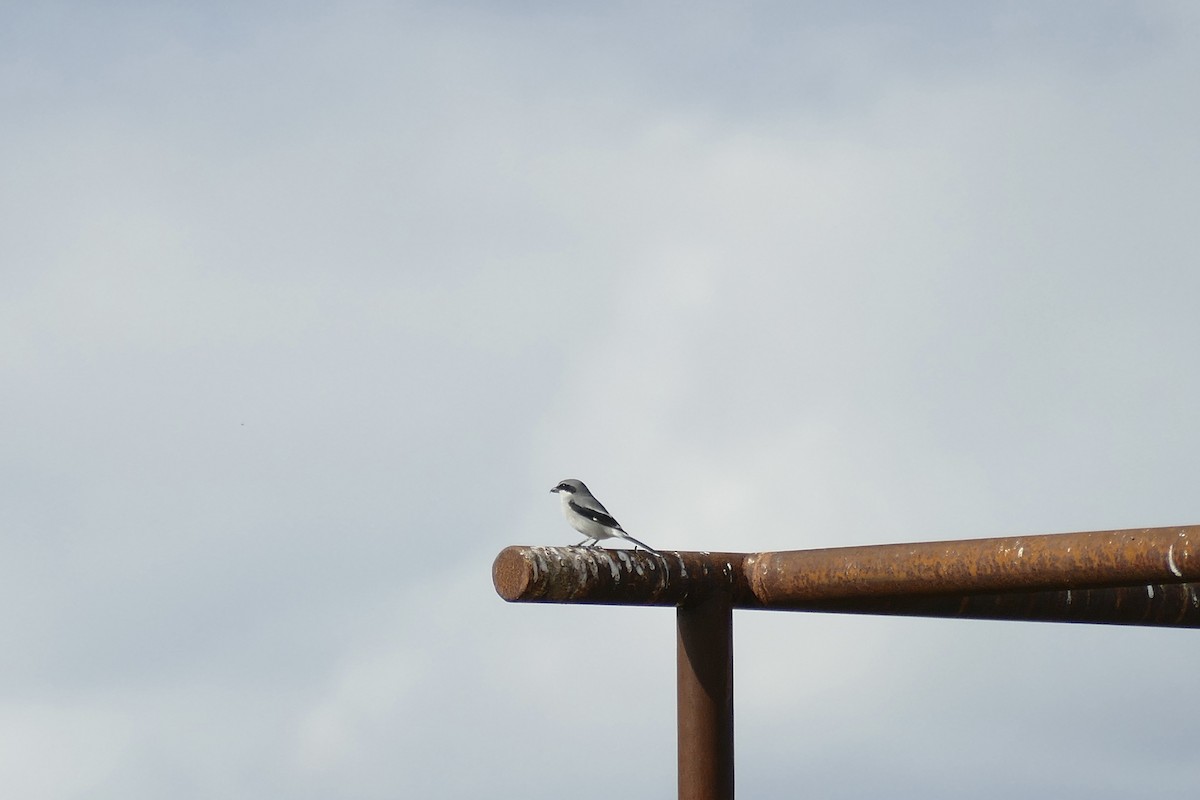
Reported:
(589, 516)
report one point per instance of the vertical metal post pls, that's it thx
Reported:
(705, 698)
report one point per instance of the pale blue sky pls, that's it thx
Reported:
(305, 307)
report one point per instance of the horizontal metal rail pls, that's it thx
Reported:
(617, 577)
(1148, 576)
(1023, 563)
(1175, 605)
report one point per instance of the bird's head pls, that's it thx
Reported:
(570, 486)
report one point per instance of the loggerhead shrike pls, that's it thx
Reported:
(589, 516)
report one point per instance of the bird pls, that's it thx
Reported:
(588, 515)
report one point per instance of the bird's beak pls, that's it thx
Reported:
(554, 490)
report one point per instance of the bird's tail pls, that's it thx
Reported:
(642, 545)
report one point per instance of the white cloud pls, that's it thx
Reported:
(61, 749)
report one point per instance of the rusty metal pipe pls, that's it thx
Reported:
(1175, 605)
(616, 576)
(1143, 576)
(1139, 557)
(624, 577)
(1023, 563)
(704, 686)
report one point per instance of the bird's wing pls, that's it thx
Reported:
(600, 515)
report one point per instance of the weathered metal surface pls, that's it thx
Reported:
(1144, 576)
(1175, 605)
(615, 576)
(704, 686)
(1050, 562)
